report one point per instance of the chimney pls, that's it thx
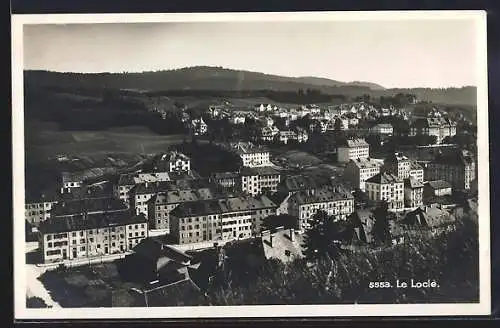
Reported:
(271, 240)
(292, 234)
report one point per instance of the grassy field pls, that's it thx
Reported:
(44, 141)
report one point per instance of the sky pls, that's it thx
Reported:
(406, 53)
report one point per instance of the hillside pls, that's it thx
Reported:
(220, 79)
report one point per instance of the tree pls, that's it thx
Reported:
(381, 230)
(323, 238)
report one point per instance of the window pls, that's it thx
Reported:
(49, 237)
(81, 233)
(82, 248)
(50, 245)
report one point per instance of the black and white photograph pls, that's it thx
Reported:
(250, 165)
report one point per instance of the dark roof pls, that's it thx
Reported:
(48, 195)
(76, 206)
(163, 186)
(225, 175)
(320, 195)
(91, 221)
(262, 170)
(155, 247)
(428, 216)
(454, 157)
(439, 184)
(413, 183)
(219, 206)
(184, 292)
(384, 178)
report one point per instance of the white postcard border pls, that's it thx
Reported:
(21, 312)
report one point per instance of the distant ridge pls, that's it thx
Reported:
(223, 79)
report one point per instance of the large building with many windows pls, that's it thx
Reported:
(434, 126)
(223, 219)
(304, 204)
(359, 170)
(404, 168)
(457, 167)
(250, 154)
(414, 193)
(353, 149)
(257, 180)
(386, 187)
(86, 236)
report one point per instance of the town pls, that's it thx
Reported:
(173, 226)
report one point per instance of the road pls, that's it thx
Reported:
(34, 287)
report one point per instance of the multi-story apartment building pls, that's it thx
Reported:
(251, 155)
(353, 149)
(256, 180)
(121, 189)
(359, 170)
(413, 193)
(38, 210)
(382, 129)
(304, 204)
(228, 181)
(398, 165)
(161, 204)
(286, 136)
(224, 219)
(386, 187)
(85, 235)
(268, 133)
(177, 162)
(457, 167)
(434, 126)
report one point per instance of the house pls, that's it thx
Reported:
(286, 136)
(85, 235)
(386, 187)
(302, 135)
(223, 219)
(434, 126)
(169, 162)
(154, 260)
(215, 110)
(437, 188)
(304, 204)
(268, 133)
(251, 155)
(431, 218)
(256, 180)
(363, 223)
(198, 126)
(70, 181)
(37, 209)
(416, 171)
(265, 108)
(413, 194)
(238, 119)
(352, 149)
(458, 167)
(343, 123)
(382, 129)
(283, 244)
(359, 170)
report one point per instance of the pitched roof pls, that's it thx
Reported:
(413, 183)
(365, 163)
(219, 206)
(320, 196)
(77, 206)
(439, 184)
(428, 216)
(384, 178)
(283, 248)
(91, 221)
(353, 143)
(154, 248)
(262, 170)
